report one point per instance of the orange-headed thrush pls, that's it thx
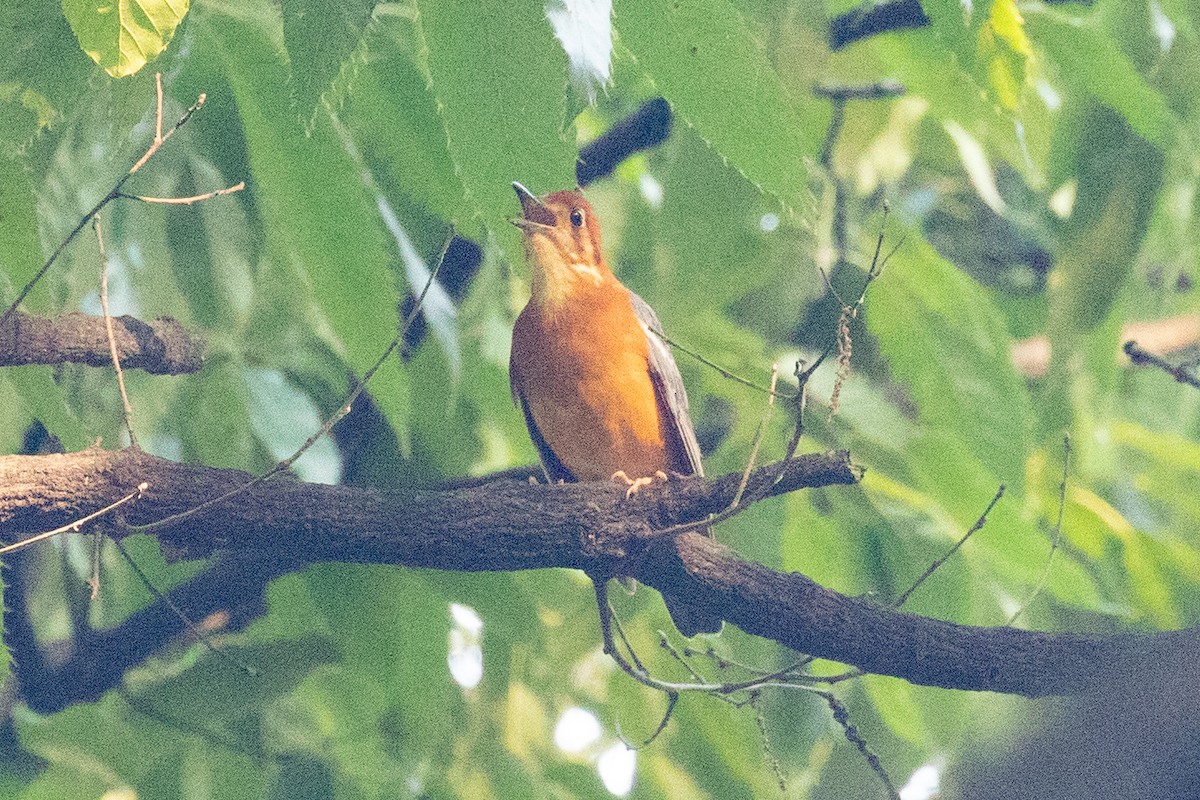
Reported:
(601, 394)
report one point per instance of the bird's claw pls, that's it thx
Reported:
(635, 484)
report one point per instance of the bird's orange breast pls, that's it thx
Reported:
(583, 375)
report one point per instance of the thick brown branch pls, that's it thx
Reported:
(509, 525)
(505, 525)
(161, 347)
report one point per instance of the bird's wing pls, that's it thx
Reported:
(669, 389)
(554, 469)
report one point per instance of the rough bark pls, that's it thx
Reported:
(511, 525)
(160, 347)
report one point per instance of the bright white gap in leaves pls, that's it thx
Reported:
(584, 28)
(465, 656)
(617, 766)
(922, 784)
(651, 189)
(282, 417)
(577, 729)
(1164, 28)
(769, 222)
(975, 162)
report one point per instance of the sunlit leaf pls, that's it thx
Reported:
(122, 36)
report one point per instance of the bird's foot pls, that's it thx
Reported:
(635, 484)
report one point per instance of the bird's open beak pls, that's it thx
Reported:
(534, 213)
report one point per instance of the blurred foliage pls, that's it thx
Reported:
(1042, 180)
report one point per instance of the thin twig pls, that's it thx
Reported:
(772, 760)
(126, 408)
(639, 673)
(94, 580)
(1142, 357)
(77, 525)
(758, 437)
(185, 201)
(113, 193)
(849, 312)
(1056, 539)
(842, 717)
(979, 523)
(159, 137)
(732, 510)
(325, 428)
(724, 373)
(192, 627)
(672, 700)
(723, 691)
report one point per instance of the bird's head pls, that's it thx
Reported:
(562, 240)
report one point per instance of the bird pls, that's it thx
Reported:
(601, 395)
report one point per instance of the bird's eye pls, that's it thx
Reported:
(577, 217)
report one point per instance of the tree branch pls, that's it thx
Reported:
(510, 525)
(161, 347)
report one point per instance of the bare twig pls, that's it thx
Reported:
(842, 717)
(94, 580)
(77, 525)
(1143, 358)
(849, 312)
(736, 508)
(672, 700)
(724, 373)
(758, 437)
(126, 408)
(979, 523)
(185, 201)
(1056, 539)
(113, 193)
(159, 137)
(192, 627)
(772, 761)
(724, 691)
(326, 427)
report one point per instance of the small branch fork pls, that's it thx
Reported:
(747, 691)
(326, 427)
(738, 694)
(116, 192)
(114, 351)
(1187, 373)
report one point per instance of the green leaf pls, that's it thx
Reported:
(899, 706)
(707, 64)
(946, 341)
(320, 221)
(210, 414)
(499, 78)
(1119, 175)
(149, 752)
(1091, 63)
(43, 399)
(122, 37)
(403, 135)
(320, 36)
(42, 68)
(20, 250)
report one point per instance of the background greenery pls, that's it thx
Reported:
(1042, 177)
